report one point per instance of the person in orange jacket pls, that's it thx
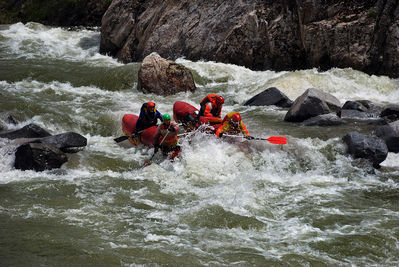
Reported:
(166, 137)
(211, 106)
(233, 125)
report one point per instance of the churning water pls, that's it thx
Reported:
(220, 204)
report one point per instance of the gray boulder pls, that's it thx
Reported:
(311, 103)
(368, 147)
(390, 134)
(271, 96)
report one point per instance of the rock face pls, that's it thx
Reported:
(390, 134)
(160, 76)
(278, 35)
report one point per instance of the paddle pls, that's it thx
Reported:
(123, 137)
(273, 139)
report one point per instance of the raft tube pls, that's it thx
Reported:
(129, 126)
(181, 111)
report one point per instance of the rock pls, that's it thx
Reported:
(276, 35)
(324, 120)
(351, 114)
(28, 131)
(38, 157)
(160, 76)
(368, 147)
(67, 142)
(271, 96)
(354, 105)
(390, 134)
(312, 103)
(390, 112)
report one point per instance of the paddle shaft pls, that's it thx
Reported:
(123, 137)
(273, 139)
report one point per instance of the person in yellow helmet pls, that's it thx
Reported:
(233, 125)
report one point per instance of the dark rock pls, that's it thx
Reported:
(271, 96)
(324, 120)
(160, 76)
(11, 120)
(277, 35)
(351, 114)
(67, 142)
(390, 112)
(38, 157)
(312, 103)
(28, 131)
(390, 134)
(366, 146)
(354, 105)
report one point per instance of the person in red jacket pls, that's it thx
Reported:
(211, 106)
(233, 125)
(166, 137)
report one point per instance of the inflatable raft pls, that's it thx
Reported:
(186, 114)
(129, 126)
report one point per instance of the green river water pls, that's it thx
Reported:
(220, 204)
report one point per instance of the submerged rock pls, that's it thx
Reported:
(324, 120)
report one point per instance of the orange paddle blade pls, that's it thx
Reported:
(277, 140)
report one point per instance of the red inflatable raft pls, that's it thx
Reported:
(184, 113)
(129, 126)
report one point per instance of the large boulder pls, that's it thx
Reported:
(368, 147)
(277, 35)
(38, 157)
(66, 142)
(28, 131)
(390, 134)
(271, 96)
(311, 103)
(160, 76)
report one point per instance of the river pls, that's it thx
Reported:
(220, 204)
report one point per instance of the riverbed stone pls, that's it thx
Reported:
(270, 96)
(28, 131)
(311, 103)
(368, 147)
(39, 157)
(390, 134)
(164, 77)
(324, 120)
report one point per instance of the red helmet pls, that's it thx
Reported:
(236, 118)
(150, 105)
(220, 99)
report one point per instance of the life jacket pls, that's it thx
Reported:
(214, 109)
(169, 138)
(228, 126)
(147, 119)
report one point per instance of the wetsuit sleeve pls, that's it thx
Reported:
(222, 129)
(244, 129)
(139, 122)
